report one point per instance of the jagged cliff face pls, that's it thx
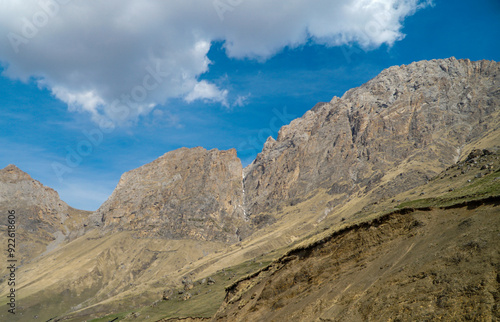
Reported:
(187, 193)
(414, 118)
(42, 219)
(387, 136)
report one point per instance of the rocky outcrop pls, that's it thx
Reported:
(19, 188)
(414, 119)
(186, 193)
(42, 218)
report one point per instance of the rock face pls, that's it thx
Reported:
(187, 193)
(42, 219)
(387, 136)
(18, 187)
(414, 118)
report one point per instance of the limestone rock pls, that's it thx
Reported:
(187, 193)
(477, 153)
(415, 118)
(210, 281)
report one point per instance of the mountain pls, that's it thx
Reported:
(433, 258)
(187, 193)
(42, 219)
(389, 135)
(194, 216)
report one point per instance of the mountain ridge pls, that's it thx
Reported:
(177, 192)
(296, 164)
(42, 219)
(408, 106)
(384, 138)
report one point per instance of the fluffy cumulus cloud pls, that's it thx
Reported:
(117, 59)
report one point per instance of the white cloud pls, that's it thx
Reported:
(117, 59)
(207, 91)
(241, 100)
(88, 101)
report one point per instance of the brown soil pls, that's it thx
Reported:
(426, 265)
(184, 320)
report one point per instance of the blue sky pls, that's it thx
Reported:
(234, 77)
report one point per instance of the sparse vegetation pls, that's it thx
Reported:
(205, 299)
(477, 187)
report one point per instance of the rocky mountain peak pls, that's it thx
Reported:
(19, 187)
(11, 173)
(186, 193)
(409, 120)
(42, 218)
(414, 119)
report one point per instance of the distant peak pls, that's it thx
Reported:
(11, 172)
(12, 168)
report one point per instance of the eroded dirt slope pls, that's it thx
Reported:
(433, 264)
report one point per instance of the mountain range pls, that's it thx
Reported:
(380, 204)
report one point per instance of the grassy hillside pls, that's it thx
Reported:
(201, 299)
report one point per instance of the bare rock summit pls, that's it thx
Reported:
(186, 193)
(413, 120)
(42, 218)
